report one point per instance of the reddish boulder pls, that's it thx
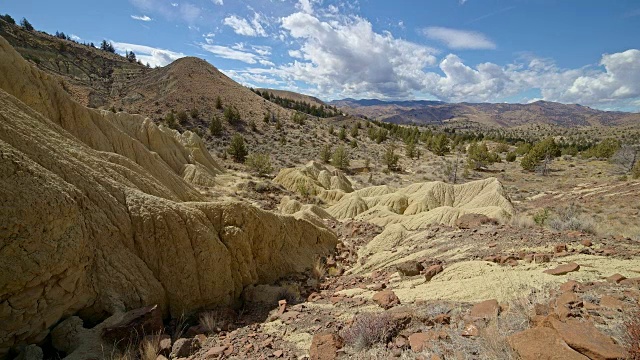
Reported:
(542, 344)
(432, 271)
(563, 269)
(541, 258)
(560, 248)
(324, 346)
(586, 339)
(410, 268)
(419, 341)
(485, 310)
(386, 299)
(586, 243)
(616, 278)
(470, 330)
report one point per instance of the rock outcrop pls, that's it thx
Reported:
(101, 214)
(315, 179)
(421, 204)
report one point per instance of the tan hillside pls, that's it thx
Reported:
(102, 214)
(191, 83)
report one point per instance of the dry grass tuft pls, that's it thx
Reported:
(522, 221)
(319, 270)
(369, 329)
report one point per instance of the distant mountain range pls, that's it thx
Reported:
(499, 114)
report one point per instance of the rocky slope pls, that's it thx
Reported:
(102, 213)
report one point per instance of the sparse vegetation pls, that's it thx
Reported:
(390, 159)
(215, 127)
(325, 154)
(232, 115)
(368, 329)
(340, 158)
(26, 24)
(259, 163)
(237, 148)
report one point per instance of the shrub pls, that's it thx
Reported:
(369, 329)
(26, 24)
(635, 171)
(232, 115)
(502, 148)
(544, 150)
(511, 156)
(604, 149)
(325, 154)
(299, 118)
(194, 113)
(182, 117)
(354, 131)
(340, 158)
(478, 156)
(440, 145)
(253, 126)
(170, 120)
(390, 159)
(259, 163)
(410, 149)
(342, 134)
(216, 126)
(353, 143)
(8, 18)
(541, 216)
(381, 136)
(237, 149)
(331, 130)
(218, 103)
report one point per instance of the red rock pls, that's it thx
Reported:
(570, 285)
(324, 346)
(282, 305)
(560, 248)
(442, 319)
(146, 320)
(586, 339)
(485, 310)
(419, 341)
(386, 299)
(215, 352)
(611, 302)
(230, 350)
(586, 243)
(563, 269)
(278, 353)
(470, 330)
(401, 342)
(432, 271)
(542, 344)
(616, 278)
(528, 258)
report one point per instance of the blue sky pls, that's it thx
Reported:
(571, 51)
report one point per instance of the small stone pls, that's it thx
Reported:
(586, 243)
(215, 352)
(470, 330)
(560, 248)
(563, 269)
(386, 299)
(278, 353)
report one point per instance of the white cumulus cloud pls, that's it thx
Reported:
(351, 57)
(147, 54)
(242, 26)
(459, 39)
(141, 18)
